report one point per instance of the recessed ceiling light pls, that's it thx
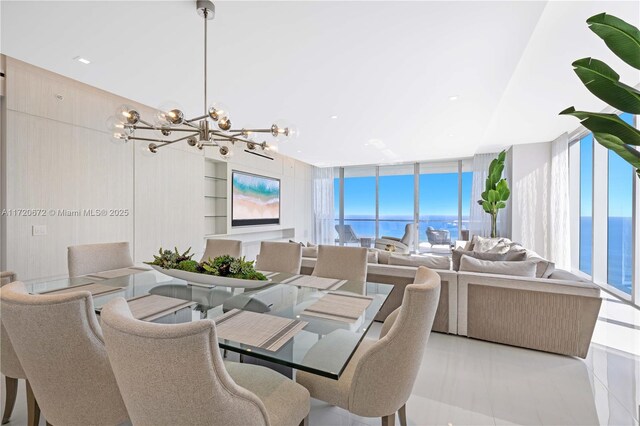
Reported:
(82, 60)
(453, 98)
(298, 151)
(334, 117)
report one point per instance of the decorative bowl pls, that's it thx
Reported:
(206, 280)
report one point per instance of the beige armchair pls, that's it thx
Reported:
(378, 380)
(174, 375)
(12, 371)
(342, 263)
(215, 248)
(279, 257)
(90, 258)
(59, 344)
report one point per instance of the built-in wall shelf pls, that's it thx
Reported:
(215, 197)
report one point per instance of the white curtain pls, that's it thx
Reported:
(323, 208)
(479, 220)
(559, 219)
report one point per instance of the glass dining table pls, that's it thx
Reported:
(297, 306)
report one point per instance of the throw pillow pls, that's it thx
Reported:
(310, 252)
(483, 245)
(433, 262)
(525, 268)
(457, 254)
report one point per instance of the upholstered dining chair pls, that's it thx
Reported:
(90, 258)
(12, 371)
(343, 263)
(215, 248)
(279, 257)
(198, 387)
(379, 378)
(59, 344)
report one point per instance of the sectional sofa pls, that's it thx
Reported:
(553, 314)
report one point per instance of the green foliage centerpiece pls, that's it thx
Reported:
(496, 191)
(609, 130)
(221, 266)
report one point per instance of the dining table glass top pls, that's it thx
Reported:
(284, 322)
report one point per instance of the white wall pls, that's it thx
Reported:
(57, 155)
(530, 173)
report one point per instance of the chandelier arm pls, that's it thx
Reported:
(186, 123)
(250, 130)
(146, 123)
(171, 129)
(196, 118)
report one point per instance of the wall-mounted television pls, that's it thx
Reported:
(255, 199)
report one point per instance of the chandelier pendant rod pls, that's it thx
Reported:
(206, 13)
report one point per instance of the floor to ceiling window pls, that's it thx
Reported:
(396, 189)
(586, 203)
(439, 199)
(619, 220)
(359, 203)
(379, 200)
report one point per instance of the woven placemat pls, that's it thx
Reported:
(320, 283)
(344, 307)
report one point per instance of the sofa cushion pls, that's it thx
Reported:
(310, 252)
(458, 253)
(433, 262)
(561, 274)
(523, 268)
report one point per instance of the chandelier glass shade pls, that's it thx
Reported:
(213, 128)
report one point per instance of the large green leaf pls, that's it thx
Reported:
(503, 190)
(604, 82)
(621, 37)
(613, 143)
(486, 206)
(609, 124)
(493, 196)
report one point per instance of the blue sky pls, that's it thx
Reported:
(621, 177)
(438, 195)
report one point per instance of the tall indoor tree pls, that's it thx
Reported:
(623, 39)
(496, 191)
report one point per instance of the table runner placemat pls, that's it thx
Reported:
(117, 273)
(153, 306)
(320, 283)
(93, 288)
(345, 307)
(262, 331)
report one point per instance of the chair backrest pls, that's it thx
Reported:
(343, 263)
(174, 374)
(9, 362)
(279, 257)
(59, 343)
(217, 248)
(89, 258)
(438, 236)
(409, 234)
(385, 374)
(347, 234)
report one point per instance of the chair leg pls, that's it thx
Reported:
(389, 420)
(33, 411)
(402, 413)
(305, 421)
(11, 385)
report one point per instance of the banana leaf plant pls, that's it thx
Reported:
(623, 39)
(496, 191)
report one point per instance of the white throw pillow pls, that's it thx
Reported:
(483, 245)
(433, 262)
(525, 268)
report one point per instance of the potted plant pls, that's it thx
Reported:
(623, 39)
(496, 191)
(223, 270)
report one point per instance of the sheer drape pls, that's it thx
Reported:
(323, 208)
(559, 219)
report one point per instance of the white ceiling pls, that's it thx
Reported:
(386, 69)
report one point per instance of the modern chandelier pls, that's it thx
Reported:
(199, 131)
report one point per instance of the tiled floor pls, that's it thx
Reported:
(469, 382)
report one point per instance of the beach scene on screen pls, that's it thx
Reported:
(255, 197)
